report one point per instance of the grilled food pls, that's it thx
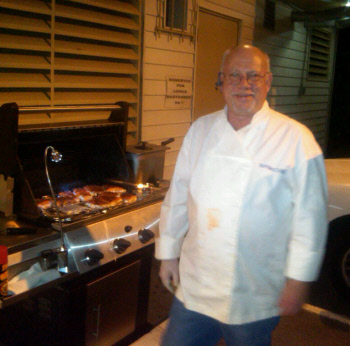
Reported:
(114, 189)
(62, 201)
(92, 196)
(43, 203)
(128, 198)
(94, 189)
(105, 200)
(83, 194)
(66, 194)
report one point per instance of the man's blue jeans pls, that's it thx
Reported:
(189, 328)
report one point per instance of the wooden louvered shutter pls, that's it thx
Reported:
(59, 52)
(320, 53)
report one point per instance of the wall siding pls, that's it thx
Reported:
(286, 46)
(164, 55)
(58, 53)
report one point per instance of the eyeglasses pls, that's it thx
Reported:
(235, 78)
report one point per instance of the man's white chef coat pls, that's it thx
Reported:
(245, 209)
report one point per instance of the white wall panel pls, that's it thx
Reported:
(172, 116)
(284, 61)
(168, 171)
(298, 108)
(165, 131)
(175, 146)
(159, 72)
(154, 103)
(293, 91)
(292, 100)
(286, 45)
(176, 43)
(175, 56)
(168, 57)
(154, 87)
(170, 158)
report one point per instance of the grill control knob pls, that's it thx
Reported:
(127, 229)
(93, 256)
(120, 245)
(145, 235)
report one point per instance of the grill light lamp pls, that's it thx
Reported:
(62, 252)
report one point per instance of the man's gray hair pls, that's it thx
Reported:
(230, 49)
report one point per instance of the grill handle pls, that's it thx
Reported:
(98, 314)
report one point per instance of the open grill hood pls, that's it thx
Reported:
(92, 153)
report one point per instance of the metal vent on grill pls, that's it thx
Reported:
(270, 14)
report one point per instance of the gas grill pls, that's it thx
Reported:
(89, 246)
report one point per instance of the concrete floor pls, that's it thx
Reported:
(312, 327)
(325, 321)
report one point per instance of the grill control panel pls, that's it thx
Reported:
(93, 256)
(120, 245)
(145, 235)
(105, 241)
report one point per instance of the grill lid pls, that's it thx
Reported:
(92, 152)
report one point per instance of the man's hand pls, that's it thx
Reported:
(169, 274)
(293, 296)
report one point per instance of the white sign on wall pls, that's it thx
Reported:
(178, 92)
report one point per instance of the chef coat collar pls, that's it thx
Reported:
(258, 117)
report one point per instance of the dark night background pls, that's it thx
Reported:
(339, 130)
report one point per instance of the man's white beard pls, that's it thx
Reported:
(243, 111)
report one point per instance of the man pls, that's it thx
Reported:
(245, 214)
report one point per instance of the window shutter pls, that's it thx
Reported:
(70, 53)
(320, 52)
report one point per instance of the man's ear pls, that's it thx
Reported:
(218, 84)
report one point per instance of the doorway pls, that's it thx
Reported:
(216, 33)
